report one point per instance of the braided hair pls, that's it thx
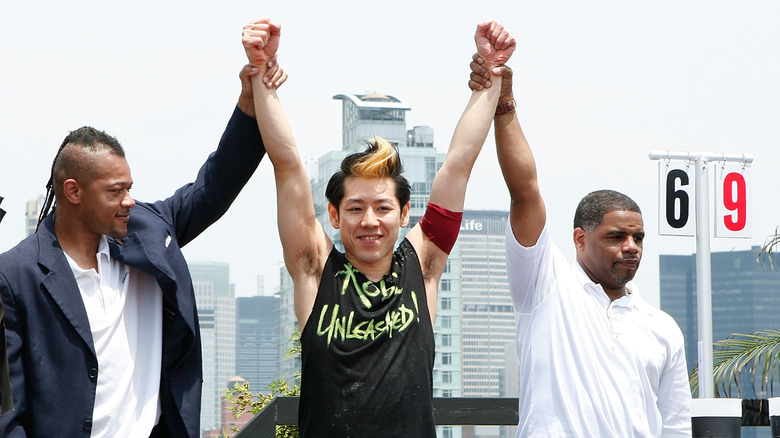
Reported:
(69, 162)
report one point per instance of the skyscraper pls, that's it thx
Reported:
(745, 295)
(257, 340)
(487, 317)
(31, 215)
(217, 315)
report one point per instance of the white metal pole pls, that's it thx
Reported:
(704, 279)
(703, 260)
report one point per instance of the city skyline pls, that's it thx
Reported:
(598, 85)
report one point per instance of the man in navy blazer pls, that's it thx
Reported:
(54, 341)
(6, 402)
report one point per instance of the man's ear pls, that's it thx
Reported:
(333, 213)
(579, 239)
(405, 215)
(72, 191)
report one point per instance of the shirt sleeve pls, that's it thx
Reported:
(530, 270)
(674, 393)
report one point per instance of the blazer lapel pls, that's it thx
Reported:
(60, 283)
(151, 259)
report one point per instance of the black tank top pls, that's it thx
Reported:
(367, 353)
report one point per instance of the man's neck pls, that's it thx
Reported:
(78, 245)
(373, 271)
(615, 294)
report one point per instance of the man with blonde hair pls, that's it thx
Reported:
(367, 314)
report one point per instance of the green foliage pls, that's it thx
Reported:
(241, 400)
(769, 250)
(741, 360)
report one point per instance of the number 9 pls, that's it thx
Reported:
(735, 202)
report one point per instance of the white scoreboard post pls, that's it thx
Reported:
(678, 194)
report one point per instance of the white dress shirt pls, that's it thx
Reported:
(124, 307)
(590, 366)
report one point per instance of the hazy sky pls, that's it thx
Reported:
(598, 85)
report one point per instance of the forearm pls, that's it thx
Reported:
(274, 126)
(449, 186)
(300, 233)
(515, 157)
(527, 209)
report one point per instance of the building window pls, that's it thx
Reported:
(446, 358)
(446, 303)
(446, 340)
(446, 377)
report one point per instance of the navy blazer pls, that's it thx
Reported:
(51, 355)
(6, 402)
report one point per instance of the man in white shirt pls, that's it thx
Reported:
(596, 360)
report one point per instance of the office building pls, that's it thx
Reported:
(745, 300)
(289, 365)
(257, 340)
(217, 315)
(745, 296)
(487, 317)
(31, 214)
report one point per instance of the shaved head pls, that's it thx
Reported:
(80, 155)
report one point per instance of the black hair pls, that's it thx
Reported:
(70, 161)
(379, 160)
(592, 208)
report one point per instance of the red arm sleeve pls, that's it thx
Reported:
(441, 226)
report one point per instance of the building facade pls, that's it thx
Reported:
(257, 340)
(217, 315)
(31, 214)
(745, 295)
(487, 317)
(745, 299)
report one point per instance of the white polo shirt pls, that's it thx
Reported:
(589, 366)
(124, 308)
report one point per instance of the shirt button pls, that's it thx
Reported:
(93, 372)
(87, 425)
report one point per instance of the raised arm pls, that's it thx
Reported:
(304, 242)
(495, 45)
(527, 211)
(273, 77)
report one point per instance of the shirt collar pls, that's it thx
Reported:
(103, 254)
(103, 249)
(597, 292)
